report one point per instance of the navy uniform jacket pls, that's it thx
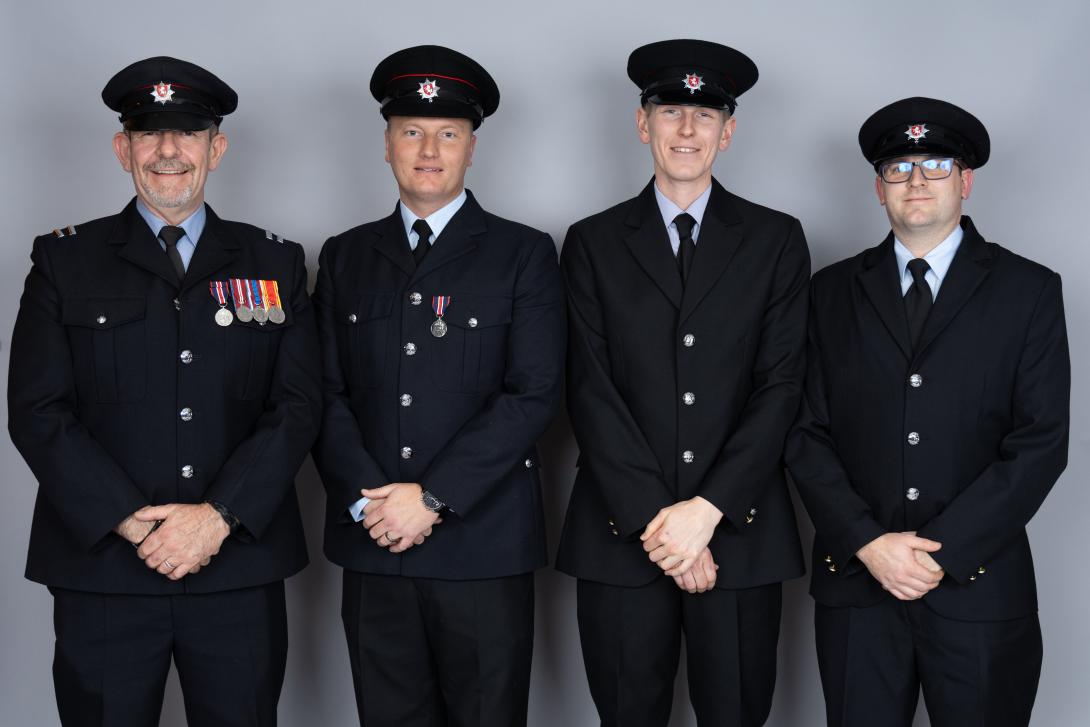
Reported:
(480, 396)
(734, 338)
(107, 352)
(960, 441)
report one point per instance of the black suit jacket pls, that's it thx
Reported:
(481, 395)
(97, 381)
(629, 367)
(989, 406)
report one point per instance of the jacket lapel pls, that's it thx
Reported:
(393, 244)
(883, 288)
(138, 245)
(971, 264)
(649, 243)
(456, 239)
(216, 249)
(720, 236)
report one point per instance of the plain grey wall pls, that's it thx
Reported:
(306, 161)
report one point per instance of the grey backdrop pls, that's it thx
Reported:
(306, 161)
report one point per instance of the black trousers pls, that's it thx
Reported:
(631, 640)
(874, 661)
(113, 655)
(437, 653)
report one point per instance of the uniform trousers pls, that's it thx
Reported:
(631, 639)
(874, 660)
(113, 654)
(427, 652)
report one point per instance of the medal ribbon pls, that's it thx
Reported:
(256, 295)
(240, 291)
(439, 304)
(274, 293)
(218, 288)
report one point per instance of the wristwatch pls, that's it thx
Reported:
(431, 502)
(232, 522)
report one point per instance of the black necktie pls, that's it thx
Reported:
(170, 235)
(686, 247)
(918, 299)
(423, 232)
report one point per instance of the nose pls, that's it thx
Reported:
(916, 177)
(168, 144)
(686, 128)
(430, 148)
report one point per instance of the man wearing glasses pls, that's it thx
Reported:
(164, 389)
(934, 423)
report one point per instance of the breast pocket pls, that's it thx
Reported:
(252, 350)
(362, 325)
(472, 357)
(109, 347)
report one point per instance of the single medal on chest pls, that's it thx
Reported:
(439, 304)
(218, 288)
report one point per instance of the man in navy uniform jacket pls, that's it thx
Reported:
(934, 423)
(159, 410)
(442, 330)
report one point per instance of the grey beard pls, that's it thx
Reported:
(179, 199)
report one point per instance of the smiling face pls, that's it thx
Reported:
(924, 208)
(429, 158)
(684, 142)
(169, 168)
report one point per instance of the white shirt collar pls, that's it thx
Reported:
(670, 210)
(437, 220)
(938, 260)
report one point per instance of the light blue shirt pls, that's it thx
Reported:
(670, 210)
(938, 260)
(436, 221)
(193, 226)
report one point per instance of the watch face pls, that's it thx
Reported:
(431, 502)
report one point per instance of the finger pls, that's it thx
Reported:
(699, 580)
(680, 583)
(654, 525)
(690, 582)
(426, 533)
(180, 572)
(379, 536)
(419, 539)
(205, 562)
(680, 567)
(401, 546)
(150, 513)
(149, 546)
(379, 492)
(438, 520)
(657, 554)
(924, 544)
(373, 518)
(195, 569)
(671, 564)
(707, 565)
(166, 566)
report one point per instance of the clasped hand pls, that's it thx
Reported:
(396, 517)
(185, 541)
(902, 563)
(676, 540)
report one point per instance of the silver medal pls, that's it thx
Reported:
(439, 328)
(261, 315)
(244, 313)
(224, 317)
(276, 314)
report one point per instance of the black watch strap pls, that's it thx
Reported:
(232, 521)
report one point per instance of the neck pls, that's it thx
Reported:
(682, 193)
(174, 215)
(919, 242)
(426, 207)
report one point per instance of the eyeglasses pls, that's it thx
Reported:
(900, 171)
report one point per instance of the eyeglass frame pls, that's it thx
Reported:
(955, 163)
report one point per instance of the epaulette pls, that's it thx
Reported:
(66, 232)
(271, 236)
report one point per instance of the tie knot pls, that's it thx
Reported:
(171, 234)
(684, 224)
(918, 267)
(423, 231)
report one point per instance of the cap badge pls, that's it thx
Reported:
(429, 90)
(693, 82)
(162, 92)
(916, 132)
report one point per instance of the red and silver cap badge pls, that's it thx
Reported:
(915, 132)
(429, 90)
(693, 82)
(162, 92)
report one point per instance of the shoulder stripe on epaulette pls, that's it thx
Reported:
(270, 236)
(67, 231)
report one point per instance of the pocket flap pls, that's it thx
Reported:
(477, 313)
(102, 313)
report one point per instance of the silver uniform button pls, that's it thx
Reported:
(101, 320)
(410, 349)
(406, 400)
(186, 356)
(687, 456)
(186, 414)
(187, 472)
(913, 438)
(352, 318)
(415, 298)
(913, 494)
(529, 463)
(177, 304)
(406, 452)
(915, 381)
(689, 398)
(689, 340)
(472, 322)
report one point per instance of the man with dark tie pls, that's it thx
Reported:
(687, 320)
(934, 423)
(442, 330)
(164, 389)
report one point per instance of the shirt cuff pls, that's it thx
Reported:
(356, 508)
